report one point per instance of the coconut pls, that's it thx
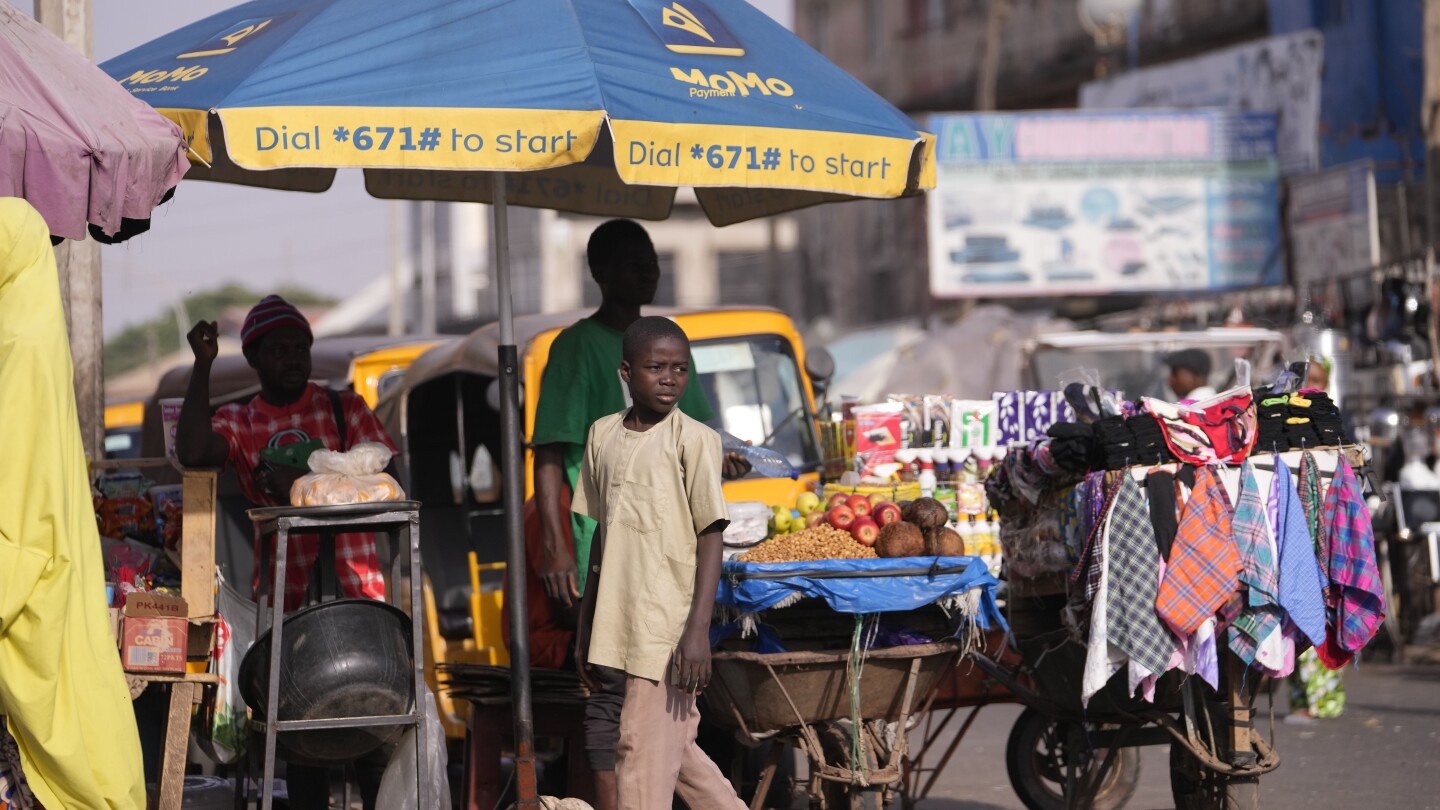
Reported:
(900, 539)
(927, 513)
(944, 542)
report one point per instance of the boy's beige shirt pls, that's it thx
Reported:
(652, 493)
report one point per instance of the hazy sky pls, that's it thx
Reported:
(212, 233)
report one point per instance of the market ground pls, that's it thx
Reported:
(1384, 752)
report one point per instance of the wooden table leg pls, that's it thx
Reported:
(177, 744)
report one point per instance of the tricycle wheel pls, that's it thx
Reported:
(1036, 758)
(1196, 787)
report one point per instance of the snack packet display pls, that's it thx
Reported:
(355, 476)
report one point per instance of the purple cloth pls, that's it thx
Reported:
(73, 142)
(1351, 542)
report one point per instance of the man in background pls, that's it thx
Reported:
(1190, 375)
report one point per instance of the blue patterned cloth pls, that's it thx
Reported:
(1301, 588)
(1261, 614)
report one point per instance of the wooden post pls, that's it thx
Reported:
(197, 544)
(990, 63)
(79, 262)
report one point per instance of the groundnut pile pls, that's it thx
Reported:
(820, 543)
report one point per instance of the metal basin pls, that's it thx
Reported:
(346, 658)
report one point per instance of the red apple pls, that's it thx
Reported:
(841, 516)
(885, 513)
(859, 504)
(814, 519)
(865, 531)
(836, 500)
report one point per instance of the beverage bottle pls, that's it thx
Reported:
(928, 480)
(763, 460)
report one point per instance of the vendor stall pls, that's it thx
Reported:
(1139, 543)
(1146, 542)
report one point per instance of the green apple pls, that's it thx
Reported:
(807, 502)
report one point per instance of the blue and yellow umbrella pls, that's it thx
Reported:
(600, 106)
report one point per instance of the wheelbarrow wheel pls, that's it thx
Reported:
(1195, 787)
(1036, 757)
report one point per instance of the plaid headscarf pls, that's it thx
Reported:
(1205, 563)
(1310, 499)
(1132, 623)
(1360, 606)
(1301, 583)
(1260, 614)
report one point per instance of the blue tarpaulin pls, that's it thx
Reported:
(862, 586)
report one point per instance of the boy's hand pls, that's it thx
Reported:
(734, 466)
(692, 661)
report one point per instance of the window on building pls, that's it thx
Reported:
(874, 30)
(664, 291)
(922, 16)
(817, 20)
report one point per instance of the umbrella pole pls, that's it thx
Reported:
(512, 459)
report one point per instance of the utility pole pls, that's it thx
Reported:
(79, 262)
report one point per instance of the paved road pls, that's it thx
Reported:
(1384, 752)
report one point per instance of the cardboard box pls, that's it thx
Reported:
(154, 632)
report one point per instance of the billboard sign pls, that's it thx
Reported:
(1061, 203)
(1333, 223)
(1280, 75)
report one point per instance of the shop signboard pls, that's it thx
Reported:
(1081, 203)
(1279, 75)
(1333, 223)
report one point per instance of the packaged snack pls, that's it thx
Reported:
(169, 514)
(126, 517)
(972, 423)
(938, 415)
(878, 434)
(913, 413)
(355, 476)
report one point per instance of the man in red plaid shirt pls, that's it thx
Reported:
(289, 409)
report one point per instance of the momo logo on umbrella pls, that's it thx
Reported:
(234, 35)
(689, 27)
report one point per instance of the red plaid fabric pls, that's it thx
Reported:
(1205, 564)
(256, 425)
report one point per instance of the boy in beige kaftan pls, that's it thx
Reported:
(650, 479)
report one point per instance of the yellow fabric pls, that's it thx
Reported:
(653, 492)
(61, 686)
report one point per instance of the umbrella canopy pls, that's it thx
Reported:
(73, 143)
(606, 105)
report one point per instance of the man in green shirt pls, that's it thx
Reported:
(582, 384)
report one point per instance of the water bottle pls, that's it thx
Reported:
(763, 460)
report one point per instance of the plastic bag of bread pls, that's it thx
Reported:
(355, 476)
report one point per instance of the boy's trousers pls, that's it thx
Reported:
(657, 757)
